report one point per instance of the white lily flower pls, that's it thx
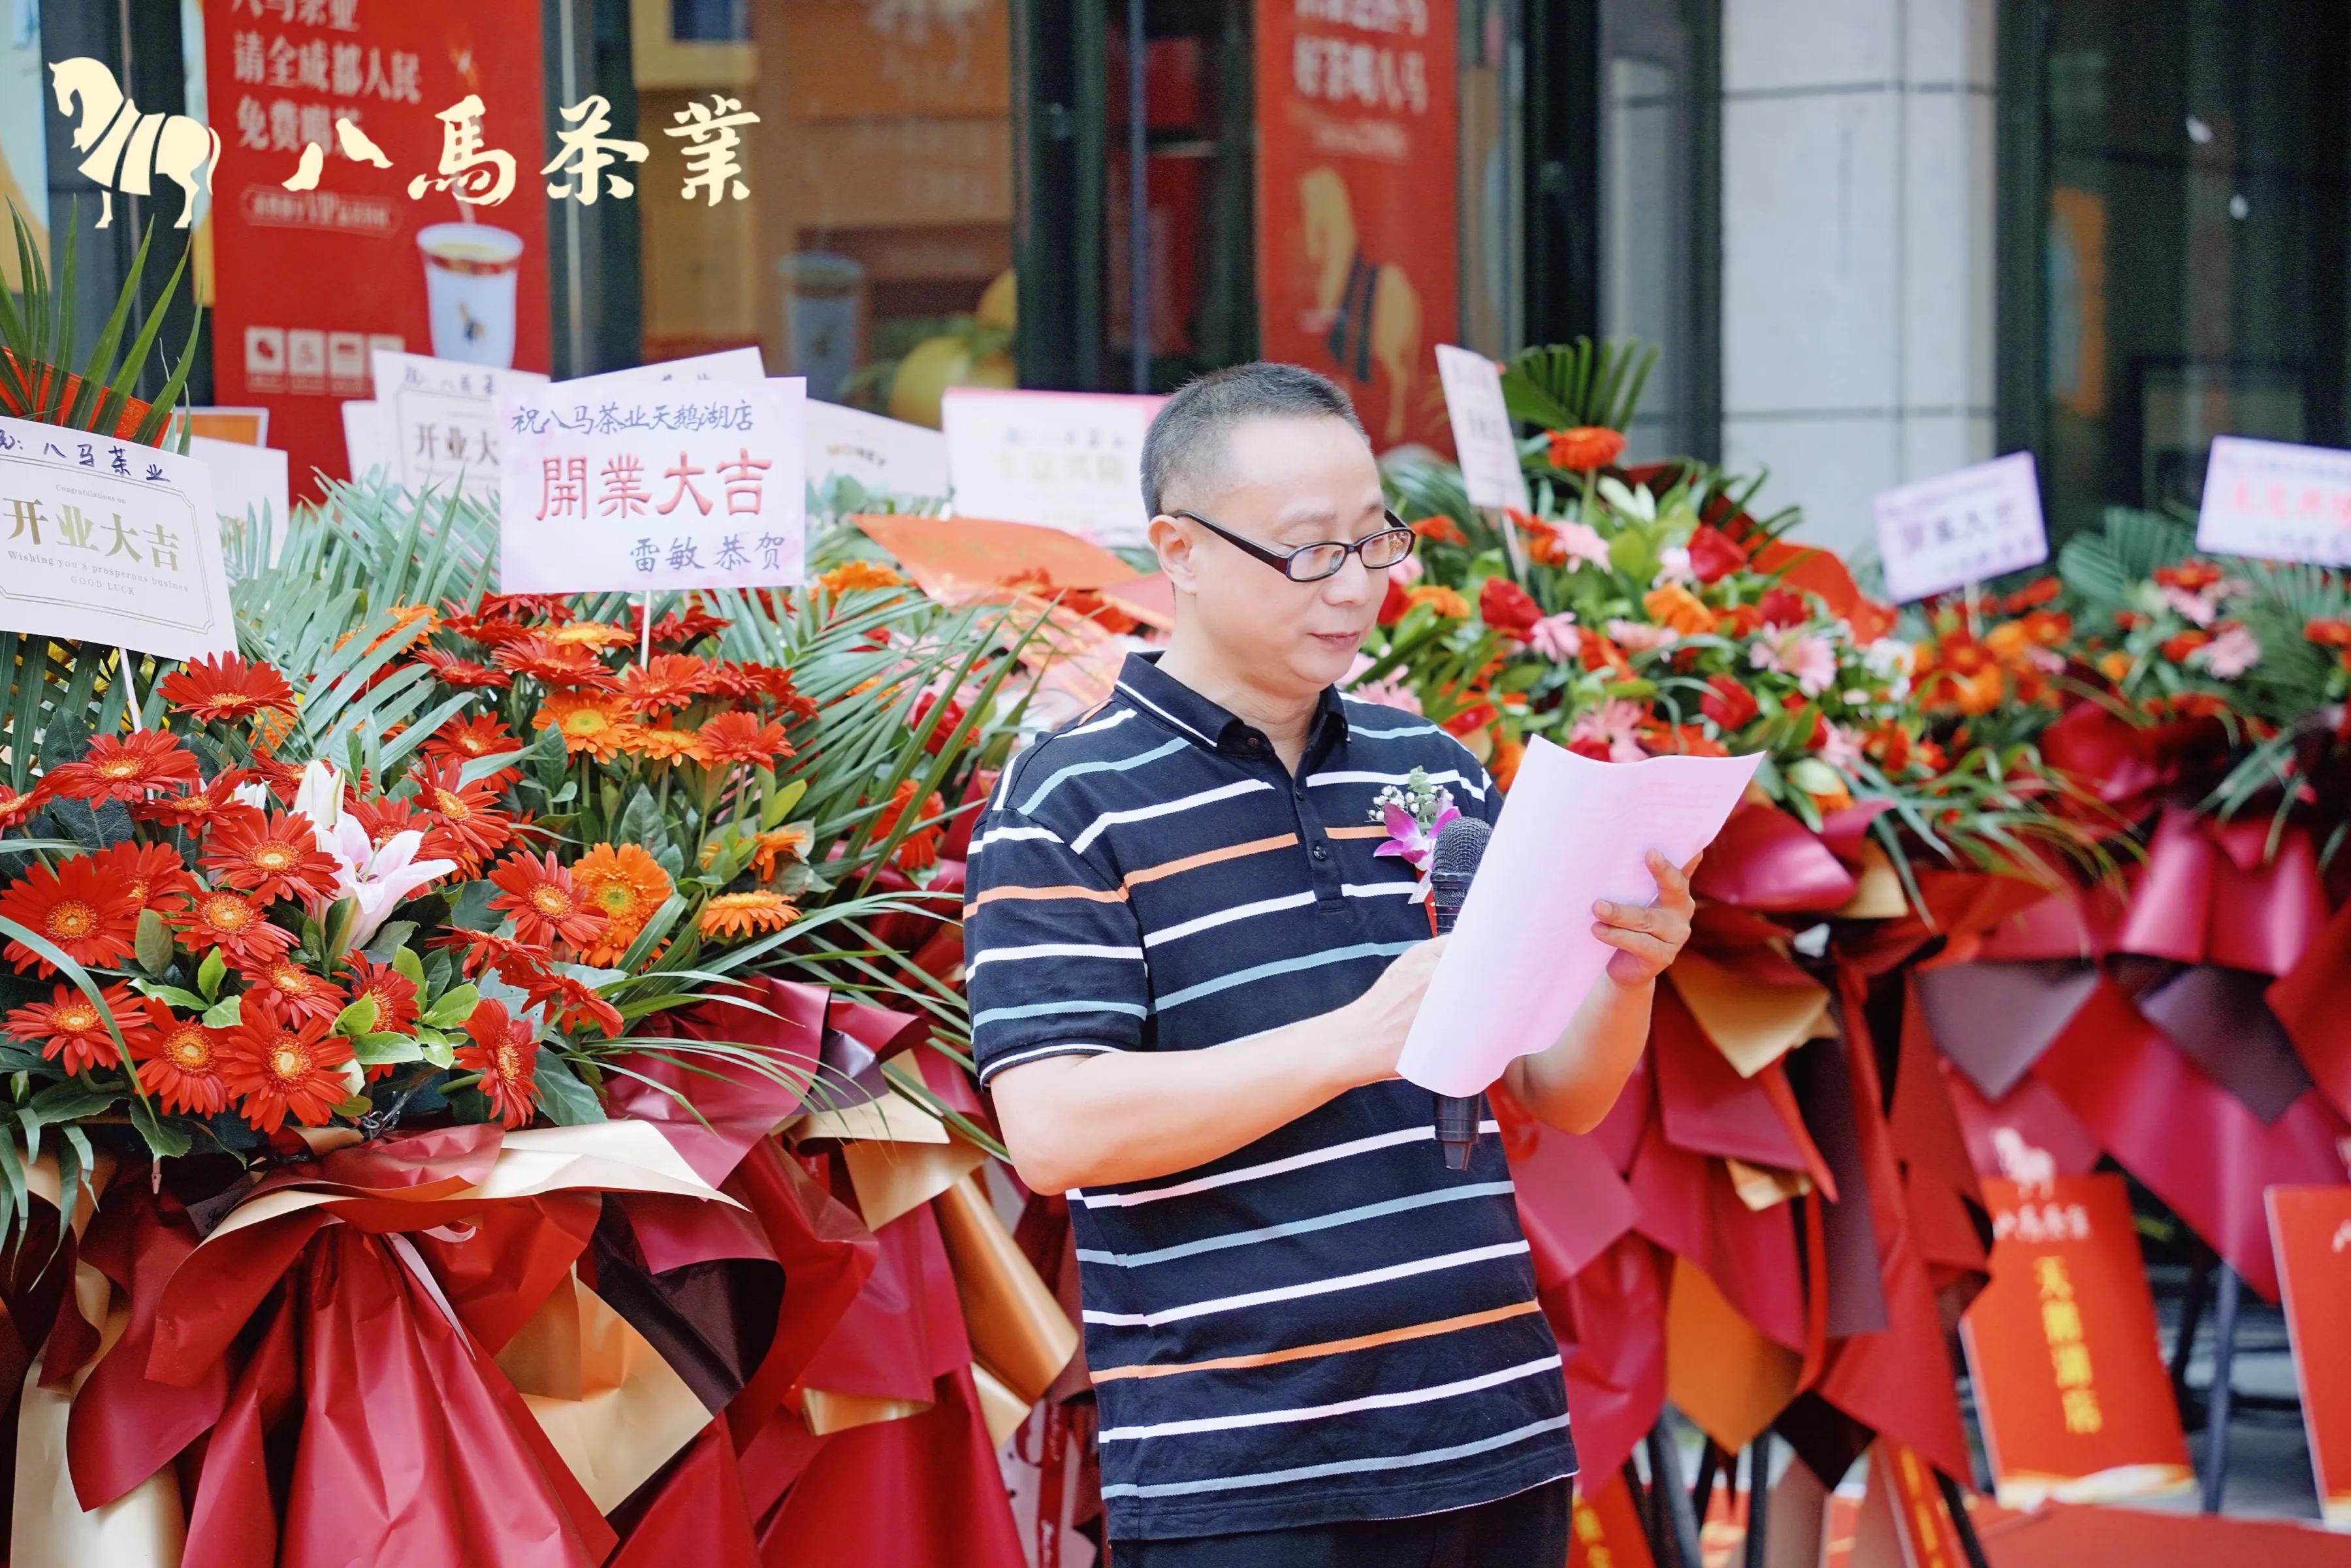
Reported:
(320, 797)
(377, 878)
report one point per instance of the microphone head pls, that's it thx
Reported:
(1460, 848)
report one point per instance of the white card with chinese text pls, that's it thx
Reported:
(2276, 500)
(1483, 435)
(248, 485)
(367, 438)
(726, 365)
(1071, 461)
(110, 542)
(442, 417)
(692, 484)
(1968, 525)
(887, 457)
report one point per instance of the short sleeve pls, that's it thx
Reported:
(1053, 961)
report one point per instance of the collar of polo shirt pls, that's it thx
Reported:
(1210, 724)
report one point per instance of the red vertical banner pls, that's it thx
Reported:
(309, 281)
(2075, 1401)
(2311, 1229)
(1357, 204)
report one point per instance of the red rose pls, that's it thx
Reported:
(1470, 719)
(1393, 607)
(1507, 607)
(1730, 704)
(1715, 555)
(1783, 607)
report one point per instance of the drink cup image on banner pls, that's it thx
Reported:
(471, 271)
(690, 484)
(110, 542)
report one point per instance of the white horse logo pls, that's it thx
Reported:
(127, 147)
(2032, 1169)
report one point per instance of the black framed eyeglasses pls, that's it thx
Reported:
(1383, 548)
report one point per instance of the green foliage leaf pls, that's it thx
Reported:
(155, 943)
(455, 1007)
(357, 1019)
(167, 1137)
(210, 973)
(383, 1049)
(567, 1102)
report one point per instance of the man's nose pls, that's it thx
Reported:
(1352, 584)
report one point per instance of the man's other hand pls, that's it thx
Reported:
(1384, 1014)
(1648, 937)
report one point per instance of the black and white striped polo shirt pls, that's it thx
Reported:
(1326, 1324)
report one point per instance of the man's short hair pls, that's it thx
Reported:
(1186, 439)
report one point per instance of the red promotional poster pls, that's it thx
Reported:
(442, 104)
(2069, 1376)
(2311, 1229)
(1357, 174)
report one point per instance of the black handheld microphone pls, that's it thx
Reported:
(1451, 864)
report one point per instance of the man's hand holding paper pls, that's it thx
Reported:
(1575, 839)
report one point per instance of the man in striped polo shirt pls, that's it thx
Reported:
(1190, 978)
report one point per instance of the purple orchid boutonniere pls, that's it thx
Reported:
(1413, 813)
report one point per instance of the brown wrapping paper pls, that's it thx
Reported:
(1752, 1021)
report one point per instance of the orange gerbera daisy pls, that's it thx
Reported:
(72, 1030)
(738, 914)
(235, 924)
(676, 630)
(178, 1061)
(1671, 605)
(76, 908)
(670, 681)
(627, 887)
(589, 634)
(15, 808)
(125, 767)
(1584, 448)
(591, 725)
(853, 576)
(504, 1055)
(276, 1066)
(777, 846)
(225, 687)
(300, 995)
(733, 737)
(546, 905)
(660, 743)
(150, 875)
(1446, 601)
(276, 856)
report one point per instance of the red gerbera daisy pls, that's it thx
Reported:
(301, 996)
(749, 682)
(462, 674)
(151, 876)
(125, 767)
(677, 630)
(282, 778)
(197, 810)
(467, 814)
(671, 681)
(75, 906)
(478, 737)
(235, 924)
(503, 1054)
(273, 857)
(529, 606)
(178, 1061)
(394, 993)
(15, 808)
(276, 1066)
(744, 737)
(567, 667)
(225, 687)
(571, 1003)
(478, 950)
(72, 1030)
(386, 820)
(545, 906)
(919, 849)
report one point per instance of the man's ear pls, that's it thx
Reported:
(1174, 544)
